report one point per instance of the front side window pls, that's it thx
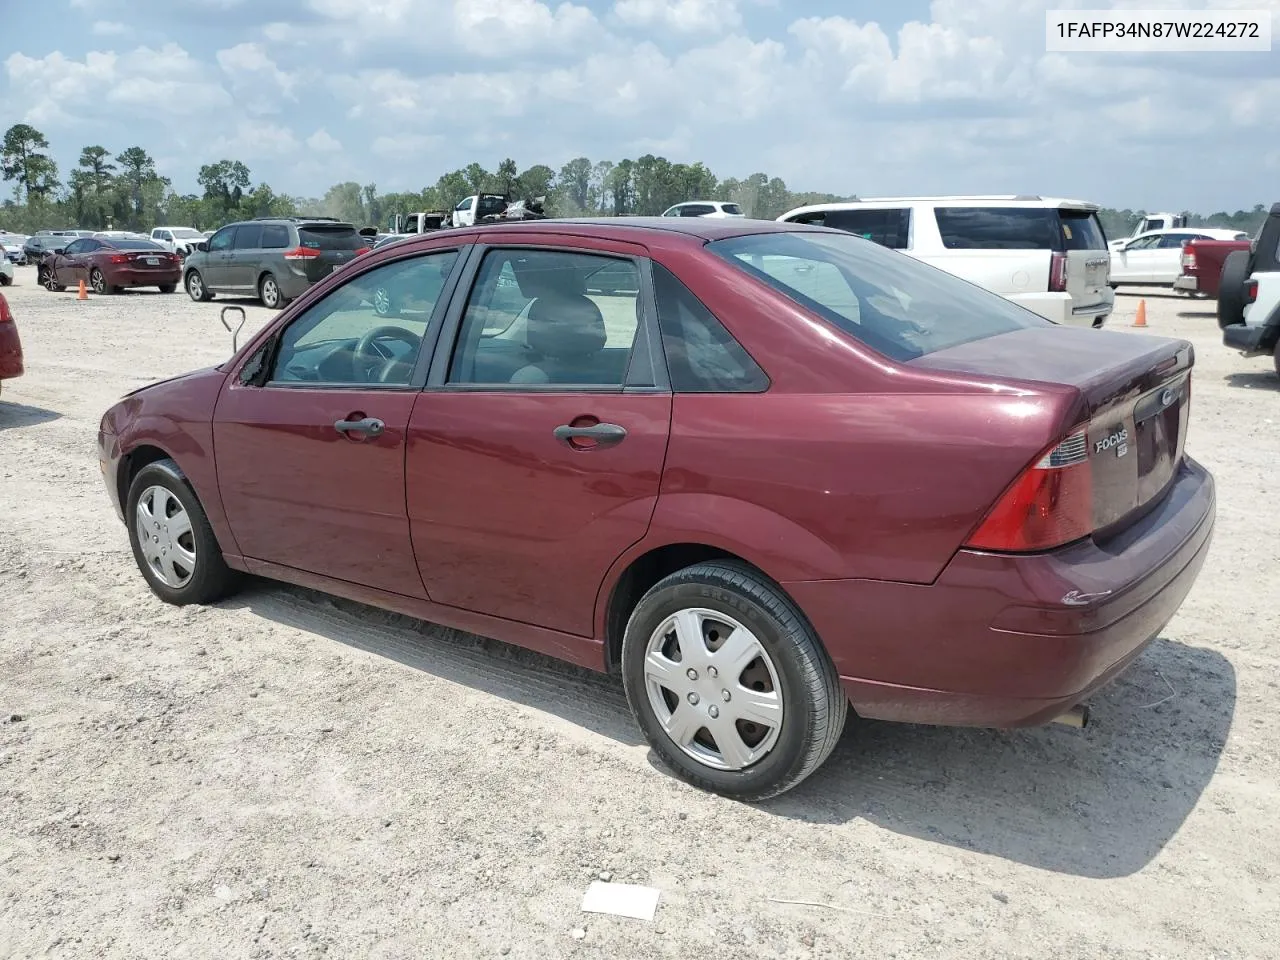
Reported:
(892, 303)
(889, 228)
(221, 241)
(998, 228)
(76, 247)
(1170, 240)
(1143, 243)
(350, 337)
(545, 317)
(465, 204)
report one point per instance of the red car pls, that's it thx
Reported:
(764, 471)
(110, 264)
(10, 345)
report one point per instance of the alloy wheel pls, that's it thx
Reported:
(99, 282)
(195, 286)
(270, 292)
(713, 688)
(166, 536)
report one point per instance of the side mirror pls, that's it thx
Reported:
(239, 326)
(203, 245)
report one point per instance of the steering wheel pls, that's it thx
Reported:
(373, 364)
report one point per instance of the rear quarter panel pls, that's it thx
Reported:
(1210, 256)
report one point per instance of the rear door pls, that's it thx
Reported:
(536, 451)
(1088, 266)
(328, 247)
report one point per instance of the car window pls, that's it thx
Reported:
(76, 247)
(1175, 240)
(702, 356)
(671, 212)
(1143, 243)
(135, 245)
(320, 237)
(732, 208)
(893, 303)
(490, 205)
(696, 210)
(541, 317)
(222, 239)
(248, 236)
(465, 204)
(889, 228)
(1081, 230)
(275, 236)
(369, 330)
(998, 228)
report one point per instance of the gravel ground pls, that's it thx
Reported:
(287, 775)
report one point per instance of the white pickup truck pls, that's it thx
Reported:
(179, 240)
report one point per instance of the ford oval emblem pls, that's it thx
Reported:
(1166, 398)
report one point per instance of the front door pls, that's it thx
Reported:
(310, 451)
(217, 266)
(535, 454)
(1137, 262)
(70, 266)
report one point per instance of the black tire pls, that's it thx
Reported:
(5, 279)
(814, 705)
(269, 292)
(1235, 273)
(201, 293)
(98, 281)
(168, 287)
(45, 278)
(211, 579)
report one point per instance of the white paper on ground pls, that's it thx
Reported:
(621, 900)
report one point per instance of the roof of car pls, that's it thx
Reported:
(1224, 233)
(633, 228)
(1030, 201)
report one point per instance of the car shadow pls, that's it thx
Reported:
(1158, 293)
(1254, 380)
(14, 415)
(1098, 803)
(1198, 314)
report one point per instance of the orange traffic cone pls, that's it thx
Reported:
(1141, 319)
(84, 294)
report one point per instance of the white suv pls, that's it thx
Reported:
(1047, 254)
(718, 209)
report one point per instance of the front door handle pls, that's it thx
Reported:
(367, 426)
(597, 434)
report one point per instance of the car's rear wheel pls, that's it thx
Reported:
(196, 289)
(269, 292)
(168, 287)
(1235, 274)
(172, 541)
(729, 683)
(99, 283)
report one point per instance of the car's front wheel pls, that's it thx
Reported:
(196, 289)
(173, 544)
(729, 683)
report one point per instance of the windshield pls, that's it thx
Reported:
(185, 233)
(887, 300)
(130, 244)
(1081, 230)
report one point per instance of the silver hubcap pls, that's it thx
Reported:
(195, 286)
(99, 282)
(164, 531)
(269, 292)
(713, 688)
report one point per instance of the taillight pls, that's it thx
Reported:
(1058, 273)
(1250, 291)
(302, 253)
(119, 258)
(1188, 257)
(1050, 504)
(6, 316)
(362, 251)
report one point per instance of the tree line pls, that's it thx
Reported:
(125, 192)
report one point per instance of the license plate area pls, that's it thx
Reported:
(1159, 427)
(153, 262)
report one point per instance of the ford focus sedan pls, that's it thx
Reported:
(768, 473)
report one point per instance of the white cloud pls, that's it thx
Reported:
(407, 147)
(256, 77)
(254, 140)
(686, 16)
(108, 28)
(324, 142)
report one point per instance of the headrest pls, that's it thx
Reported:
(566, 327)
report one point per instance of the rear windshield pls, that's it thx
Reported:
(331, 238)
(889, 301)
(1081, 230)
(133, 244)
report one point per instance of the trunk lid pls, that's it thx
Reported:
(1136, 392)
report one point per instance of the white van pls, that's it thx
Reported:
(1047, 254)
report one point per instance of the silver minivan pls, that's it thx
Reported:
(1047, 254)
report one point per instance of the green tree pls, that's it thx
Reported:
(224, 183)
(477, 178)
(537, 181)
(507, 180)
(345, 201)
(373, 207)
(575, 183)
(22, 159)
(450, 189)
(91, 184)
(139, 180)
(621, 188)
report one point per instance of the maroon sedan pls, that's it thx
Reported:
(10, 345)
(763, 471)
(111, 264)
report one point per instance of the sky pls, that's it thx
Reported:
(867, 97)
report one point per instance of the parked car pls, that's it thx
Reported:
(10, 345)
(274, 259)
(110, 265)
(1155, 259)
(6, 271)
(41, 244)
(11, 248)
(718, 209)
(1249, 294)
(785, 472)
(1151, 222)
(1046, 254)
(179, 240)
(1202, 262)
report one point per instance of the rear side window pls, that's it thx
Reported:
(1081, 230)
(998, 228)
(330, 238)
(889, 228)
(248, 237)
(696, 210)
(702, 356)
(275, 236)
(732, 208)
(894, 304)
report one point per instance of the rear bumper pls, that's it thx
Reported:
(1252, 341)
(1061, 308)
(1187, 284)
(1007, 641)
(145, 278)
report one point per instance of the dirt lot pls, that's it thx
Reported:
(286, 775)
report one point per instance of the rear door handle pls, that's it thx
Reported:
(369, 426)
(603, 434)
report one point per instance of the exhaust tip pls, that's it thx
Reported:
(1077, 716)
